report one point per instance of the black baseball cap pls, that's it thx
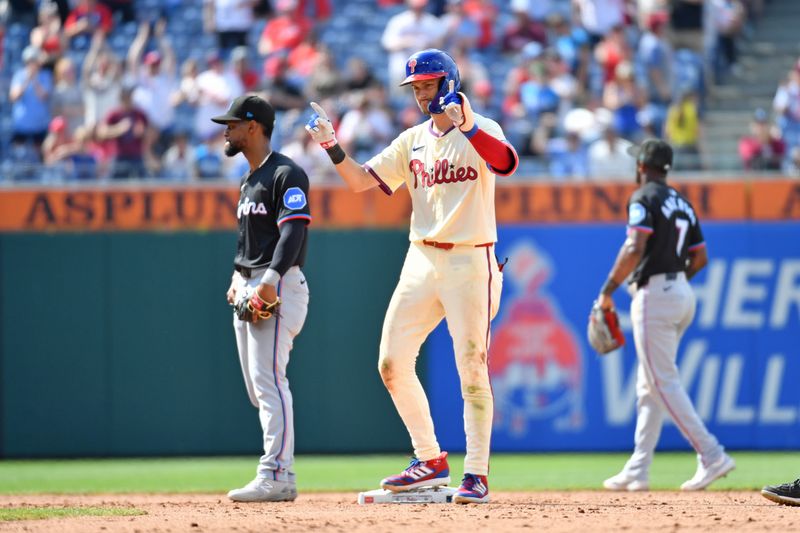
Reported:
(653, 153)
(249, 107)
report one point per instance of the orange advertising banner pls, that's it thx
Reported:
(213, 207)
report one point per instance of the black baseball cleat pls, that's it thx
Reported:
(786, 494)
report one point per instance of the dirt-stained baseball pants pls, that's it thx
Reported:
(462, 284)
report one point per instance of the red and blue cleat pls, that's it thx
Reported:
(473, 489)
(431, 473)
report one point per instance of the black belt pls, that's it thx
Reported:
(669, 276)
(244, 271)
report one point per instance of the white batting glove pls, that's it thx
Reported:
(457, 108)
(320, 127)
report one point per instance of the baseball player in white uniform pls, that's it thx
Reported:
(664, 249)
(448, 163)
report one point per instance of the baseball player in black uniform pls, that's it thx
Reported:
(268, 290)
(663, 250)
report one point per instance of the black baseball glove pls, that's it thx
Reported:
(604, 332)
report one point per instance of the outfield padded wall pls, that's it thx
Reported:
(116, 344)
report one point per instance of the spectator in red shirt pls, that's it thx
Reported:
(763, 149)
(284, 32)
(126, 128)
(87, 17)
(241, 67)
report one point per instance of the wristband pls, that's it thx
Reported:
(329, 144)
(271, 277)
(336, 154)
(471, 133)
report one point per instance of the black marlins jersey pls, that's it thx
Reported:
(274, 193)
(660, 210)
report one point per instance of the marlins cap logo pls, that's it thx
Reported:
(412, 65)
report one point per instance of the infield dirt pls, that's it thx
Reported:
(320, 512)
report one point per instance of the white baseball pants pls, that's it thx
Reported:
(462, 284)
(264, 354)
(660, 312)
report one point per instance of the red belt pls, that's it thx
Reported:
(450, 245)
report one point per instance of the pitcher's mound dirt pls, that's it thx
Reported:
(524, 511)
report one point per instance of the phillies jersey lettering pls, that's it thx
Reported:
(442, 172)
(451, 186)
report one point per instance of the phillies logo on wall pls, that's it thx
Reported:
(412, 65)
(535, 358)
(442, 172)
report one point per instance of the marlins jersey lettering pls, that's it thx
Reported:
(451, 186)
(660, 210)
(265, 203)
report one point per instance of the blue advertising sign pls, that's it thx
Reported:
(739, 360)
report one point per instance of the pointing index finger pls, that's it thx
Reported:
(319, 111)
(452, 86)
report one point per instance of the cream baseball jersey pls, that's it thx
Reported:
(451, 186)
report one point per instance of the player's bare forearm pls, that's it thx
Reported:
(628, 257)
(356, 177)
(698, 259)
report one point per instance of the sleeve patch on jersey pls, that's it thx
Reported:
(636, 214)
(294, 198)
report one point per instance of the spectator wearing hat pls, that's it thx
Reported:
(126, 128)
(763, 149)
(156, 81)
(30, 91)
(230, 20)
(58, 135)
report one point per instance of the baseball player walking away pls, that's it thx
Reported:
(663, 250)
(786, 494)
(268, 290)
(448, 163)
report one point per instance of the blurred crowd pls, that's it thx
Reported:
(124, 89)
